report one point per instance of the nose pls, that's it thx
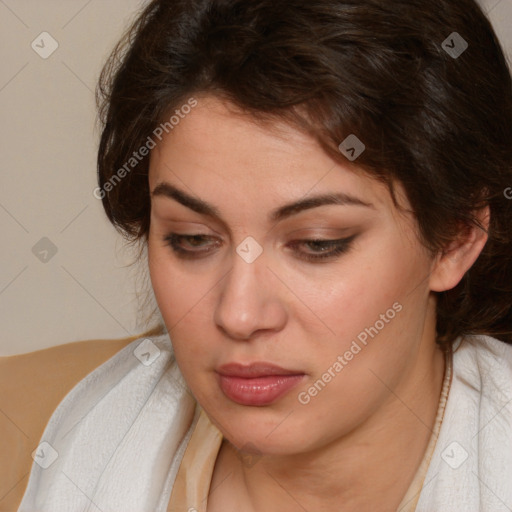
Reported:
(249, 302)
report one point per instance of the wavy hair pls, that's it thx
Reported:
(434, 115)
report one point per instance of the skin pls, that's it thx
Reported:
(360, 440)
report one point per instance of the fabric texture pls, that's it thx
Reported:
(471, 469)
(192, 485)
(122, 432)
(118, 436)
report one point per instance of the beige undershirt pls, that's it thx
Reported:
(192, 484)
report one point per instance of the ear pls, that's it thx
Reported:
(457, 258)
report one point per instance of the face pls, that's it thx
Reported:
(262, 249)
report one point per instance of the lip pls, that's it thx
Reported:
(253, 370)
(256, 384)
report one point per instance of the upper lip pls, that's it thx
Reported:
(254, 370)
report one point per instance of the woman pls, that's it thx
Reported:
(321, 188)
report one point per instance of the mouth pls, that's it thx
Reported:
(257, 384)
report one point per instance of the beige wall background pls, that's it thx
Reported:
(64, 271)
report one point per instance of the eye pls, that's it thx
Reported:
(191, 245)
(321, 249)
(195, 246)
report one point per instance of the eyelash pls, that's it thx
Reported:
(340, 246)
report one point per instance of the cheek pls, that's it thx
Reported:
(177, 292)
(362, 287)
(377, 320)
(163, 280)
(184, 300)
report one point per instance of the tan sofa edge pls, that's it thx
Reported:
(31, 387)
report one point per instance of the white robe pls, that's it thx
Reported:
(116, 441)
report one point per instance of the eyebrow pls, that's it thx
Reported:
(203, 208)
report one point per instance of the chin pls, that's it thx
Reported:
(260, 430)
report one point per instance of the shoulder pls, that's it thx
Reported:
(482, 370)
(488, 354)
(475, 438)
(31, 387)
(484, 364)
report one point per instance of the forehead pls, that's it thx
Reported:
(218, 151)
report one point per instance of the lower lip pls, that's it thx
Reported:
(259, 390)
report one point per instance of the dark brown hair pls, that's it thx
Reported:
(433, 117)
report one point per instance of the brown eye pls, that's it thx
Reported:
(191, 246)
(319, 249)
